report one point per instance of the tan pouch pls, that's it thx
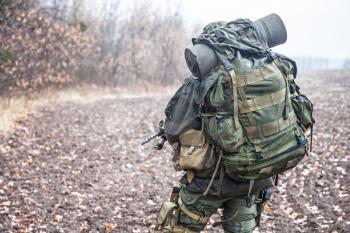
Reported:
(195, 151)
(167, 216)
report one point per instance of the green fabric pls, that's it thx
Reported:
(232, 40)
(304, 109)
(268, 154)
(219, 129)
(225, 187)
(272, 143)
(244, 220)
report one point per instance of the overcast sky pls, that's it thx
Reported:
(315, 27)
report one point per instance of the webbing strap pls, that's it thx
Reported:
(194, 216)
(256, 75)
(234, 98)
(251, 118)
(270, 128)
(214, 174)
(283, 69)
(249, 201)
(264, 101)
(280, 66)
(241, 142)
(244, 99)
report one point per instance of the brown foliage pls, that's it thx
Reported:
(37, 50)
(44, 52)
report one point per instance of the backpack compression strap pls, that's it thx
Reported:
(282, 68)
(229, 68)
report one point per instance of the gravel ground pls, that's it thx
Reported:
(79, 167)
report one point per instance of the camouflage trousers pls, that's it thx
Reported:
(237, 217)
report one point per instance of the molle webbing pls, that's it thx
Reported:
(259, 102)
(234, 97)
(243, 97)
(192, 215)
(256, 75)
(270, 128)
(284, 71)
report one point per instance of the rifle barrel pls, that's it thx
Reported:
(150, 138)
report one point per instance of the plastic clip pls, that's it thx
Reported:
(227, 64)
(258, 155)
(248, 202)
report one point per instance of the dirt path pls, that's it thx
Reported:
(80, 168)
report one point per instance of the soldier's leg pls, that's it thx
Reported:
(196, 209)
(241, 219)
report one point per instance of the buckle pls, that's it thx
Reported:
(220, 36)
(258, 155)
(248, 202)
(227, 64)
(240, 31)
(273, 55)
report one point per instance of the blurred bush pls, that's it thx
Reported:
(40, 47)
(35, 50)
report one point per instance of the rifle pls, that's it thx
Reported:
(160, 134)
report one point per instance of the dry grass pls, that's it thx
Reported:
(13, 109)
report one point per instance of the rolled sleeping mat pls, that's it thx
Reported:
(272, 29)
(201, 59)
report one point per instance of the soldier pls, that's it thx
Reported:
(234, 125)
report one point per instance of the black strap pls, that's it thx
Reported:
(294, 64)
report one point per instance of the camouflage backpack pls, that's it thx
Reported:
(251, 106)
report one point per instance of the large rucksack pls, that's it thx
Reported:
(250, 106)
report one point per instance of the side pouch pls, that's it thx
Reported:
(195, 151)
(167, 217)
(220, 130)
(303, 109)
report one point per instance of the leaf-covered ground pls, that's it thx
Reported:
(80, 168)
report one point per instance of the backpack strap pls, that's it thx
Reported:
(232, 74)
(214, 173)
(252, 122)
(249, 199)
(282, 68)
(291, 61)
(244, 102)
(229, 68)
